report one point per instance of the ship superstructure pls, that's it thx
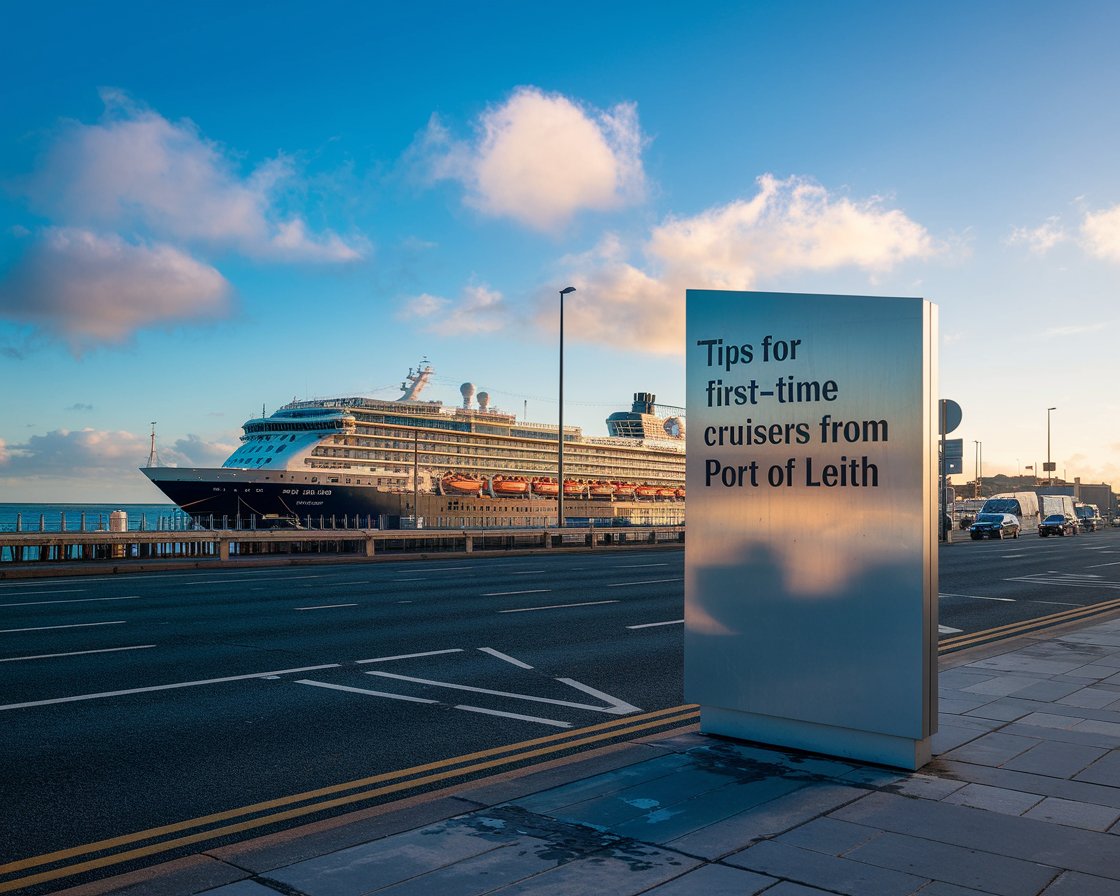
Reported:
(357, 456)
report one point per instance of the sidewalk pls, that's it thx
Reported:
(1022, 798)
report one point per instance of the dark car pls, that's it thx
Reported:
(1057, 524)
(994, 525)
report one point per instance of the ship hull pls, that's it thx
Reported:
(225, 497)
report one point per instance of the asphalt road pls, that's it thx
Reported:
(134, 702)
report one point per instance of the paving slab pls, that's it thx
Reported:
(1060, 760)
(837, 875)
(1074, 813)
(987, 872)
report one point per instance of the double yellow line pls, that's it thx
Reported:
(221, 824)
(958, 642)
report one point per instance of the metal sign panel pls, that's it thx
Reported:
(811, 574)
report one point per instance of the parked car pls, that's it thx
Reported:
(1057, 524)
(994, 525)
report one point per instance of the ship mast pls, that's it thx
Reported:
(153, 454)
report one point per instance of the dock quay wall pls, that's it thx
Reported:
(27, 554)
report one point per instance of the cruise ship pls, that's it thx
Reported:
(365, 462)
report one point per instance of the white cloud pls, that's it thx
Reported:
(541, 158)
(1039, 239)
(480, 310)
(788, 226)
(86, 288)
(1101, 233)
(90, 452)
(136, 169)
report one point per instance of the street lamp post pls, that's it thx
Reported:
(560, 433)
(1049, 465)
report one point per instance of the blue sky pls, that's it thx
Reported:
(206, 210)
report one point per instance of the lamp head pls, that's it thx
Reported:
(567, 289)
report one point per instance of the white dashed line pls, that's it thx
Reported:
(655, 624)
(589, 603)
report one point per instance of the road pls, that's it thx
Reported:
(135, 702)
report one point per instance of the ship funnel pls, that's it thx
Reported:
(643, 402)
(484, 401)
(467, 390)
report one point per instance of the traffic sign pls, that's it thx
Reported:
(950, 414)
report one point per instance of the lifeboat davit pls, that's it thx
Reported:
(509, 486)
(461, 484)
(546, 488)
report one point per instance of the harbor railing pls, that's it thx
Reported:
(115, 551)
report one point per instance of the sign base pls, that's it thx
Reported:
(845, 743)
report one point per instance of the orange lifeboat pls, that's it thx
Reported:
(600, 490)
(572, 488)
(680, 493)
(624, 489)
(666, 493)
(509, 486)
(646, 491)
(461, 484)
(546, 488)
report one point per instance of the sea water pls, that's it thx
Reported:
(57, 517)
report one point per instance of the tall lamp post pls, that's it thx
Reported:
(560, 433)
(1049, 465)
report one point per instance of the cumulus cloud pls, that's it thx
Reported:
(136, 169)
(1101, 233)
(540, 158)
(90, 452)
(1041, 239)
(479, 310)
(787, 226)
(90, 288)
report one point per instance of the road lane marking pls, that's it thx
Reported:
(75, 600)
(655, 624)
(1056, 603)
(526, 572)
(342, 687)
(616, 706)
(409, 656)
(506, 657)
(1099, 565)
(639, 565)
(46, 628)
(646, 582)
(442, 569)
(162, 687)
(48, 656)
(513, 715)
(1041, 579)
(440, 770)
(51, 591)
(588, 603)
(508, 593)
(946, 630)
(1009, 600)
(325, 607)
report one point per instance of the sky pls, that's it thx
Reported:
(208, 208)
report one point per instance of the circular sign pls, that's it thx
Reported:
(949, 416)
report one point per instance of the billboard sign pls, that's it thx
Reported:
(811, 573)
